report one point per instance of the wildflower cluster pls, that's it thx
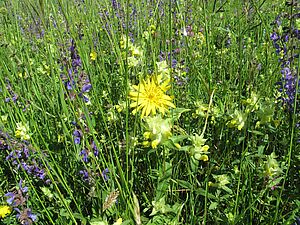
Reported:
(18, 199)
(286, 41)
(139, 110)
(159, 131)
(199, 150)
(135, 52)
(23, 156)
(89, 152)
(76, 81)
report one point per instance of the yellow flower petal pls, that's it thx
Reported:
(150, 96)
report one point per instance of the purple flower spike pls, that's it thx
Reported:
(77, 140)
(274, 37)
(11, 198)
(84, 154)
(86, 88)
(77, 136)
(85, 175)
(104, 174)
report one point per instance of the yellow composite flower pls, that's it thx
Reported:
(4, 210)
(149, 96)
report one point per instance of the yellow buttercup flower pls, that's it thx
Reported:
(149, 96)
(4, 211)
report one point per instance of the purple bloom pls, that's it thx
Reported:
(23, 189)
(76, 62)
(286, 72)
(86, 87)
(26, 216)
(77, 140)
(69, 86)
(85, 175)
(274, 37)
(22, 157)
(285, 45)
(11, 198)
(85, 98)
(77, 136)
(104, 174)
(84, 154)
(94, 147)
(174, 63)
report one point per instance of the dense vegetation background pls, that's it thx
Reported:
(149, 112)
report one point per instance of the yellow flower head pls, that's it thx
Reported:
(163, 69)
(238, 120)
(118, 222)
(136, 51)
(4, 210)
(159, 130)
(199, 149)
(22, 131)
(150, 96)
(93, 55)
(132, 61)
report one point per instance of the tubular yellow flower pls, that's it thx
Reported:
(118, 222)
(149, 96)
(93, 55)
(22, 131)
(4, 210)
(155, 143)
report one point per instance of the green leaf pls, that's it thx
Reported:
(260, 150)
(179, 138)
(225, 188)
(176, 113)
(202, 192)
(184, 184)
(194, 164)
(81, 217)
(256, 132)
(213, 206)
(98, 222)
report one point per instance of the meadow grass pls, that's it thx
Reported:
(222, 147)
